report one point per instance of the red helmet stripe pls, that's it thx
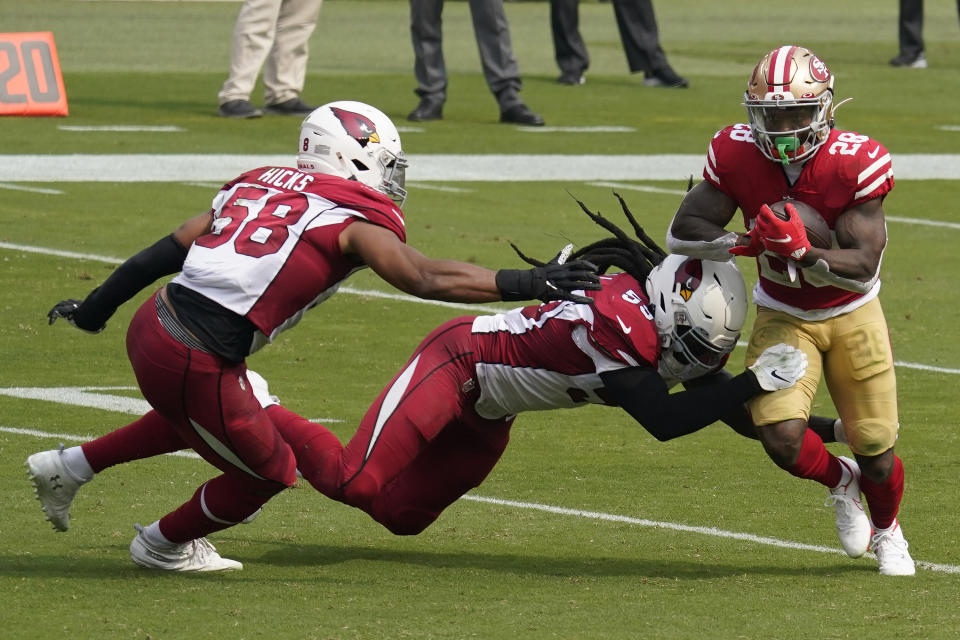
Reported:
(781, 62)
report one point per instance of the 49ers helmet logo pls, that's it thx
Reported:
(688, 276)
(818, 69)
(358, 127)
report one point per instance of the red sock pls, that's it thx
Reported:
(312, 443)
(220, 503)
(816, 463)
(149, 436)
(884, 499)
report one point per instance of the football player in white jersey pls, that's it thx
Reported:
(821, 300)
(441, 425)
(277, 242)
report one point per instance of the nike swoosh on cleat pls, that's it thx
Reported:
(787, 238)
(873, 154)
(626, 328)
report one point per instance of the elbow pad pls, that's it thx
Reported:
(819, 274)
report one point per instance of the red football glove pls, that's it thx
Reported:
(787, 238)
(751, 250)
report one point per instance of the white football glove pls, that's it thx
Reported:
(779, 367)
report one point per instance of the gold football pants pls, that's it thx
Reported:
(853, 352)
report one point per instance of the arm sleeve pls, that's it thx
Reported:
(642, 393)
(738, 418)
(717, 249)
(819, 274)
(160, 259)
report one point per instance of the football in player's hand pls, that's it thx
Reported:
(818, 232)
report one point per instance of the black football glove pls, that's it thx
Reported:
(67, 310)
(556, 280)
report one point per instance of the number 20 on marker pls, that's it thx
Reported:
(30, 79)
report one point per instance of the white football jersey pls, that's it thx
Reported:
(551, 356)
(274, 251)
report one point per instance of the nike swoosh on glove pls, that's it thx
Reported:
(779, 367)
(787, 238)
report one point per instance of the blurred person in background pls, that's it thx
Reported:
(910, 35)
(276, 32)
(638, 34)
(496, 57)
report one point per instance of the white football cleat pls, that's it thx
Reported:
(196, 555)
(54, 487)
(260, 390)
(890, 548)
(853, 526)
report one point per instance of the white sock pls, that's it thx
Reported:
(877, 531)
(838, 432)
(76, 464)
(153, 535)
(845, 474)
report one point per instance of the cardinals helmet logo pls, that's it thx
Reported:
(689, 276)
(358, 127)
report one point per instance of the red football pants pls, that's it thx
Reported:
(210, 405)
(420, 446)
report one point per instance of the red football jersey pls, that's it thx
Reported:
(274, 249)
(847, 170)
(550, 356)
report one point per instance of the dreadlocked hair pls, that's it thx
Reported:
(621, 251)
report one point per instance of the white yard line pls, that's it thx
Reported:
(123, 128)
(91, 398)
(424, 168)
(638, 187)
(593, 129)
(575, 513)
(436, 187)
(41, 190)
(924, 222)
(683, 528)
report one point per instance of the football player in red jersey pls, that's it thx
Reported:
(276, 243)
(441, 425)
(823, 301)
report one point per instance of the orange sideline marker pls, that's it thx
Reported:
(30, 80)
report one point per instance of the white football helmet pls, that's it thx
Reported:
(789, 101)
(355, 141)
(699, 307)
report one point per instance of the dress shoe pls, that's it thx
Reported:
(573, 78)
(665, 77)
(291, 107)
(430, 108)
(238, 109)
(915, 61)
(521, 114)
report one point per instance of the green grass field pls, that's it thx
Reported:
(742, 550)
